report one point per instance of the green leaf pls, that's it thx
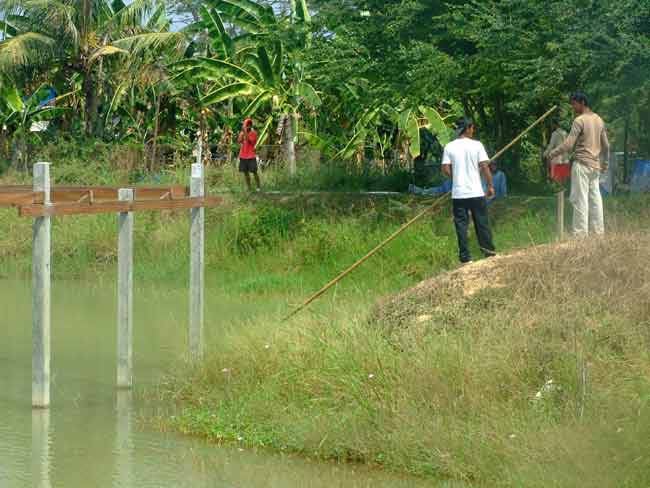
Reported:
(265, 67)
(227, 92)
(265, 130)
(214, 24)
(437, 125)
(277, 60)
(259, 12)
(413, 131)
(255, 104)
(12, 97)
(302, 12)
(404, 120)
(308, 92)
(220, 67)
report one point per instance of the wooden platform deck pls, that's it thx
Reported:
(71, 199)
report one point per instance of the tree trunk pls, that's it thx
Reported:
(229, 132)
(156, 129)
(91, 102)
(290, 145)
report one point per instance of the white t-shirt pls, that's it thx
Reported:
(464, 155)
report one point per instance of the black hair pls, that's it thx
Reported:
(462, 125)
(580, 98)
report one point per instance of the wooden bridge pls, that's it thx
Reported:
(42, 201)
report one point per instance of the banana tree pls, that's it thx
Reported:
(19, 115)
(408, 124)
(244, 68)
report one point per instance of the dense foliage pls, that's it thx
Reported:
(354, 80)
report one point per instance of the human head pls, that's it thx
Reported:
(579, 102)
(248, 123)
(465, 127)
(555, 123)
(493, 166)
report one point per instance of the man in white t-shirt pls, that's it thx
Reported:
(464, 160)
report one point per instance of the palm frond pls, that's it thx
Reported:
(25, 49)
(106, 51)
(152, 42)
(134, 14)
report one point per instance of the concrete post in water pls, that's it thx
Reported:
(197, 238)
(41, 448)
(125, 294)
(41, 314)
(560, 215)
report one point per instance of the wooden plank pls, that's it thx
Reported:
(16, 199)
(85, 208)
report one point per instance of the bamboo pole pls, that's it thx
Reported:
(320, 292)
(435, 205)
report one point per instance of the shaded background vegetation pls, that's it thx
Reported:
(338, 82)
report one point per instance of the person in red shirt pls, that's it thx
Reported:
(247, 157)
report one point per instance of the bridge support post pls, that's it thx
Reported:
(41, 312)
(197, 240)
(125, 294)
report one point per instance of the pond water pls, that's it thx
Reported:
(93, 435)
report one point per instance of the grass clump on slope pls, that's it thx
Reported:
(526, 370)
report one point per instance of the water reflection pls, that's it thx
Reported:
(92, 435)
(41, 448)
(123, 450)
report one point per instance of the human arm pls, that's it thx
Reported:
(446, 164)
(240, 138)
(569, 142)
(252, 137)
(604, 146)
(487, 175)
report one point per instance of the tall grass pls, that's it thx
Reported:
(455, 388)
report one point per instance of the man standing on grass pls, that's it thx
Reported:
(589, 137)
(247, 156)
(464, 160)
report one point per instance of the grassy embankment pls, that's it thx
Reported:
(443, 382)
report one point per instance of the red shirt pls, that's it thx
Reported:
(248, 140)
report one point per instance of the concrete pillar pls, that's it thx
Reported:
(41, 313)
(125, 294)
(197, 239)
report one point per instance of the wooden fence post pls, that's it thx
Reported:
(197, 238)
(41, 313)
(560, 215)
(125, 294)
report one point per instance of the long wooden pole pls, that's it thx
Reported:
(435, 205)
(320, 292)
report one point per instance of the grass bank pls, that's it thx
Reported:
(527, 370)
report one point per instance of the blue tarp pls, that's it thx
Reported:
(641, 176)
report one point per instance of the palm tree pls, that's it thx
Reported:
(80, 36)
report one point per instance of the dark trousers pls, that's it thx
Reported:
(478, 208)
